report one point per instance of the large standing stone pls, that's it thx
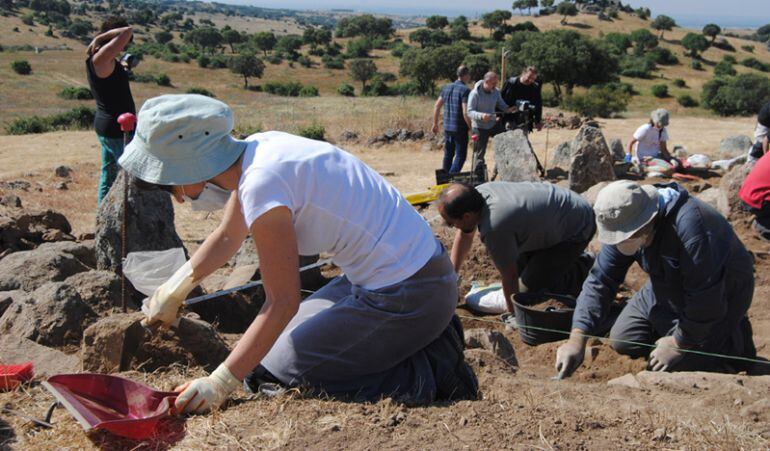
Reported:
(731, 184)
(716, 198)
(618, 152)
(150, 223)
(53, 315)
(591, 161)
(561, 156)
(28, 270)
(734, 146)
(592, 192)
(514, 157)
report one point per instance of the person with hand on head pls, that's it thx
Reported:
(108, 80)
(454, 100)
(536, 233)
(484, 101)
(697, 296)
(384, 328)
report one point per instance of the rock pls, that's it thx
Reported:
(627, 380)
(697, 381)
(492, 341)
(53, 315)
(150, 224)
(61, 186)
(418, 135)
(29, 270)
(561, 156)
(348, 136)
(730, 185)
(514, 157)
(10, 200)
(757, 410)
(617, 150)
(574, 122)
(592, 192)
(119, 342)
(9, 297)
(404, 135)
(56, 235)
(100, 290)
(47, 362)
(716, 198)
(390, 134)
(63, 171)
(16, 184)
(734, 146)
(376, 141)
(86, 236)
(590, 161)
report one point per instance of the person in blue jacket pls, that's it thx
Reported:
(700, 287)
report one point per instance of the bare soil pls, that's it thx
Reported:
(521, 408)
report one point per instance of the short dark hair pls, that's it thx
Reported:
(462, 71)
(467, 200)
(764, 115)
(147, 186)
(113, 22)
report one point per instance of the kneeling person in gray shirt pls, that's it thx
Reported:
(536, 233)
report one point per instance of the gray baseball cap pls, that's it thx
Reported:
(182, 139)
(622, 208)
(660, 116)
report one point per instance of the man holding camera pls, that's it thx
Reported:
(483, 103)
(524, 92)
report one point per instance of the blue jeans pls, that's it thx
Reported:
(455, 146)
(112, 149)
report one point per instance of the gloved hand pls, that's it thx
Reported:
(206, 393)
(570, 355)
(665, 355)
(164, 304)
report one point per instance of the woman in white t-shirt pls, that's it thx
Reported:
(384, 328)
(649, 140)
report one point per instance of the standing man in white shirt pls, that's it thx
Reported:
(384, 328)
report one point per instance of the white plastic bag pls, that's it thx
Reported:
(699, 161)
(488, 299)
(147, 270)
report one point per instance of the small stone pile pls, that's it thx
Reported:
(396, 135)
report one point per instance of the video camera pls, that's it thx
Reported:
(524, 117)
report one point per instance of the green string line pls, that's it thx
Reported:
(606, 339)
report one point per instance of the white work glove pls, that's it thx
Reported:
(635, 161)
(665, 355)
(206, 393)
(570, 355)
(164, 304)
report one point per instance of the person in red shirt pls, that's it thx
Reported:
(755, 194)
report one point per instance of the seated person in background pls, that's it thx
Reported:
(524, 87)
(649, 142)
(760, 134)
(697, 297)
(755, 193)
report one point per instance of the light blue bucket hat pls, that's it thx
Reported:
(182, 139)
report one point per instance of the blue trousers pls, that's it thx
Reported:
(112, 149)
(455, 148)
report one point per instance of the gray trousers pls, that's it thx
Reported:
(644, 320)
(560, 269)
(346, 340)
(480, 148)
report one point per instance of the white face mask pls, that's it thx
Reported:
(212, 198)
(631, 246)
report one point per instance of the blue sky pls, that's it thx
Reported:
(687, 12)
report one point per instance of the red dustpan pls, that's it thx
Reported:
(11, 376)
(121, 406)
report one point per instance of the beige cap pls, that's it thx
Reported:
(660, 116)
(622, 208)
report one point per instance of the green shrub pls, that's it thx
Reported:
(687, 101)
(163, 80)
(742, 94)
(201, 91)
(76, 93)
(305, 61)
(315, 131)
(77, 118)
(723, 45)
(287, 89)
(204, 61)
(549, 99)
(636, 67)
(723, 69)
(748, 48)
(274, 59)
(754, 63)
(399, 49)
(376, 88)
(409, 88)
(730, 59)
(679, 83)
(695, 64)
(21, 67)
(218, 62)
(598, 101)
(27, 19)
(659, 91)
(333, 62)
(664, 56)
(308, 91)
(346, 90)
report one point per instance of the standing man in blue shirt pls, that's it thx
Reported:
(456, 121)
